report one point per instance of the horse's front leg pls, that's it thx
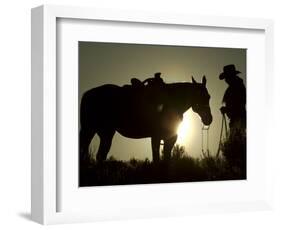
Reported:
(155, 144)
(168, 146)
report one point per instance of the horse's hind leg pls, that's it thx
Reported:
(168, 146)
(85, 137)
(105, 144)
(155, 144)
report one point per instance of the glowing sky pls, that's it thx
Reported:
(103, 63)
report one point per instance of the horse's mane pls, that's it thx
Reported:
(182, 87)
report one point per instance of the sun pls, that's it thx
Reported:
(184, 130)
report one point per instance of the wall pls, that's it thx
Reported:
(15, 114)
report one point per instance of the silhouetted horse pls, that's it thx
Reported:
(139, 113)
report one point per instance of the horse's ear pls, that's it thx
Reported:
(193, 81)
(204, 80)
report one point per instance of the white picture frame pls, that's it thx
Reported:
(45, 182)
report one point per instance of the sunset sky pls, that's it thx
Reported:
(112, 63)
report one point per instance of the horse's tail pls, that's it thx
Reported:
(83, 110)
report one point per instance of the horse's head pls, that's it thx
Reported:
(200, 103)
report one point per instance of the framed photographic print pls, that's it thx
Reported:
(140, 114)
(171, 108)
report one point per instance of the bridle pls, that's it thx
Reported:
(206, 129)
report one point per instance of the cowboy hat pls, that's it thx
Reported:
(228, 71)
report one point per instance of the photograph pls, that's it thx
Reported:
(152, 113)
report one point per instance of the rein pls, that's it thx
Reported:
(223, 126)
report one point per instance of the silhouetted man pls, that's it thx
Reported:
(234, 99)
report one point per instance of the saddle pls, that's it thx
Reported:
(147, 94)
(156, 81)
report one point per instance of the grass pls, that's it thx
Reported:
(230, 165)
